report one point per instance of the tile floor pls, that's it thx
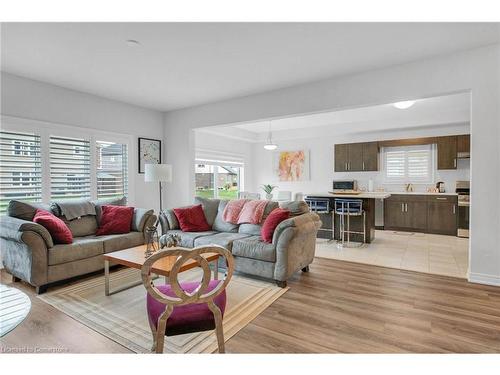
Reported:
(429, 253)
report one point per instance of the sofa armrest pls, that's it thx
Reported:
(140, 218)
(295, 241)
(25, 249)
(12, 229)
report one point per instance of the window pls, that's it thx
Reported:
(217, 180)
(111, 164)
(20, 168)
(69, 168)
(408, 164)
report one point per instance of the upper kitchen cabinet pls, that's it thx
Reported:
(341, 158)
(447, 152)
(356, 157)
(463, 146)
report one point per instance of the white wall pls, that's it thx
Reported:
(322, 161)
(28, 99)
(477, 71)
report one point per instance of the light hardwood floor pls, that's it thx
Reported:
(338, 307)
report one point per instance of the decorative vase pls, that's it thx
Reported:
(269, 197)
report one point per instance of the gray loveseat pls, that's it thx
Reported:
(29, 253)
(292, 248)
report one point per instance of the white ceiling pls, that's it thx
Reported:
(185, 64)
(429, 112)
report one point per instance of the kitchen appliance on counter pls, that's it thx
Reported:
(345, 187)
(462, 188)
(440, 187)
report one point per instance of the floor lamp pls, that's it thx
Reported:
(158, 173)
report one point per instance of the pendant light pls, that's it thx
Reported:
(270, 145)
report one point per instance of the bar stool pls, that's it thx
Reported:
(346, 208)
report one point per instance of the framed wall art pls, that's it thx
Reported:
(292, 165)
(149, 152)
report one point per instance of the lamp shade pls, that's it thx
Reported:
(157, 173)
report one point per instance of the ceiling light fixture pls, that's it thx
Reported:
(133, 43)
(270, 145)
(404, 105)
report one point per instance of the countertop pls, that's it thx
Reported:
(375, 194)
(362, 195)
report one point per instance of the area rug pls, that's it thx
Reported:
(122, 316)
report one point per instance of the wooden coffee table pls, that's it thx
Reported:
(134, 258)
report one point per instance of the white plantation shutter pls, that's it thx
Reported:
(20, 168)
(408, 164)
(112, 166)
(69, 168)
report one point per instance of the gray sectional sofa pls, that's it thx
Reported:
(292, 248)
(29, 253)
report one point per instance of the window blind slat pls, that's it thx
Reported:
(21, 167)
(112, 169)
(69, 168)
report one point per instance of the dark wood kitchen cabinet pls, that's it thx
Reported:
(442, 215)
(341, 157)
(447, 152)
(463, 144)
(356, 157)
(406, 212)
(421, 213)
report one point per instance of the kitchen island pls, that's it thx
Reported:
(330, 227)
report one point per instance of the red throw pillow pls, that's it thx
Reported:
(115, 220)
(58, 230)
(275, 217)
(192, 219)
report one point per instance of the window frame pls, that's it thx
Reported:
(221, 163)
(406, 179)
(45, 129)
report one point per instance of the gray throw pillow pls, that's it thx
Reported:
(24, 210)
(295, 207)
(210, 208)
(219, 224)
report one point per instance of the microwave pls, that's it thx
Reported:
(345, 185)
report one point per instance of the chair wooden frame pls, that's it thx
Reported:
(182, 297)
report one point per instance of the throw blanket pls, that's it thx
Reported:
(244, 211)
(73, 209)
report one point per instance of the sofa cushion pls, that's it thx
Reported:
(171, 218)
(210, 208)
(252, 229)
(58, 230)
(81, 248)
(82, 226)
(115, 242)
(24, 210)
(188, 238)
(192, 219)
(219, 224)
(221, 239)
(254, 248)
(115, 220)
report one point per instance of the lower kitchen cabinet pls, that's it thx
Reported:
(442, 217)
(421, 213)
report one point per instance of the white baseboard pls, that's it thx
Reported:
(482, 278)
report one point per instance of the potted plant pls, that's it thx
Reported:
(268, 189)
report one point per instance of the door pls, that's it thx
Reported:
(394, 215)
(370, 156)
(442, 218)
(355, 157)
(447, 152)
(341, 158)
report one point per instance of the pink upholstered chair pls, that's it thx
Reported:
(178, 308)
